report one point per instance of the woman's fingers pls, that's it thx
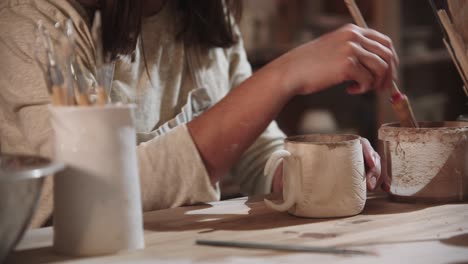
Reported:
(383, 40)
(386, 182)
(355, 71)
(348, 54)
(374, 64)
(376, 171)
(374, 40)
(368, 152)
(375, 51)
(373, 168)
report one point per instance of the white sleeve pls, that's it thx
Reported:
(172, 172)
(249, 170)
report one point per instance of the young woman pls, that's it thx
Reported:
(201, 114)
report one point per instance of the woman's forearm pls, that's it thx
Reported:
(227, 129)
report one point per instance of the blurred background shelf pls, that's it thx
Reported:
(427, 57)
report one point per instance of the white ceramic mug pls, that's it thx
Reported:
(97, 197)
(323, 175)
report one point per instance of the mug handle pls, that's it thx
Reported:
(270, 168)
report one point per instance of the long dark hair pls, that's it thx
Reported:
(206, 23)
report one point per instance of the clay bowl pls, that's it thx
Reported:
(21, 180)
(426, 164)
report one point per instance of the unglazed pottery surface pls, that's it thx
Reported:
(323, 175)
(429, 163)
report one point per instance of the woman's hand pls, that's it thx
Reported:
(350, 53)
(373, 166)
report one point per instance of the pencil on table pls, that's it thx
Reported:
(400, 102)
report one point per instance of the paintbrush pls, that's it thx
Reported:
(283, 247)
(80, 83)
(96, 32)
(66, 50)
(43, 70)
(55, 78)
(400, 102)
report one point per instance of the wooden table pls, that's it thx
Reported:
(397, 232)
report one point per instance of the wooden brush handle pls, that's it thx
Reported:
(82, 100)
(394, 88)
(403, 110)
(58, 96)
(101, 96)
(356, 13)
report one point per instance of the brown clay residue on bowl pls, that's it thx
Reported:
(444, 132)
(427, 163)
(332, 141)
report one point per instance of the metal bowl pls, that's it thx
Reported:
(21, 180)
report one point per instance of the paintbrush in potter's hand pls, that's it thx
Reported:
(400, 102)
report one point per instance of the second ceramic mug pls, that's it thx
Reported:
(323, 175)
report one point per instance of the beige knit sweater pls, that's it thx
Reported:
(171, 170)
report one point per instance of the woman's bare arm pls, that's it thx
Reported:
(226, 130)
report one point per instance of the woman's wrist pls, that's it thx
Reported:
(279, 75)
